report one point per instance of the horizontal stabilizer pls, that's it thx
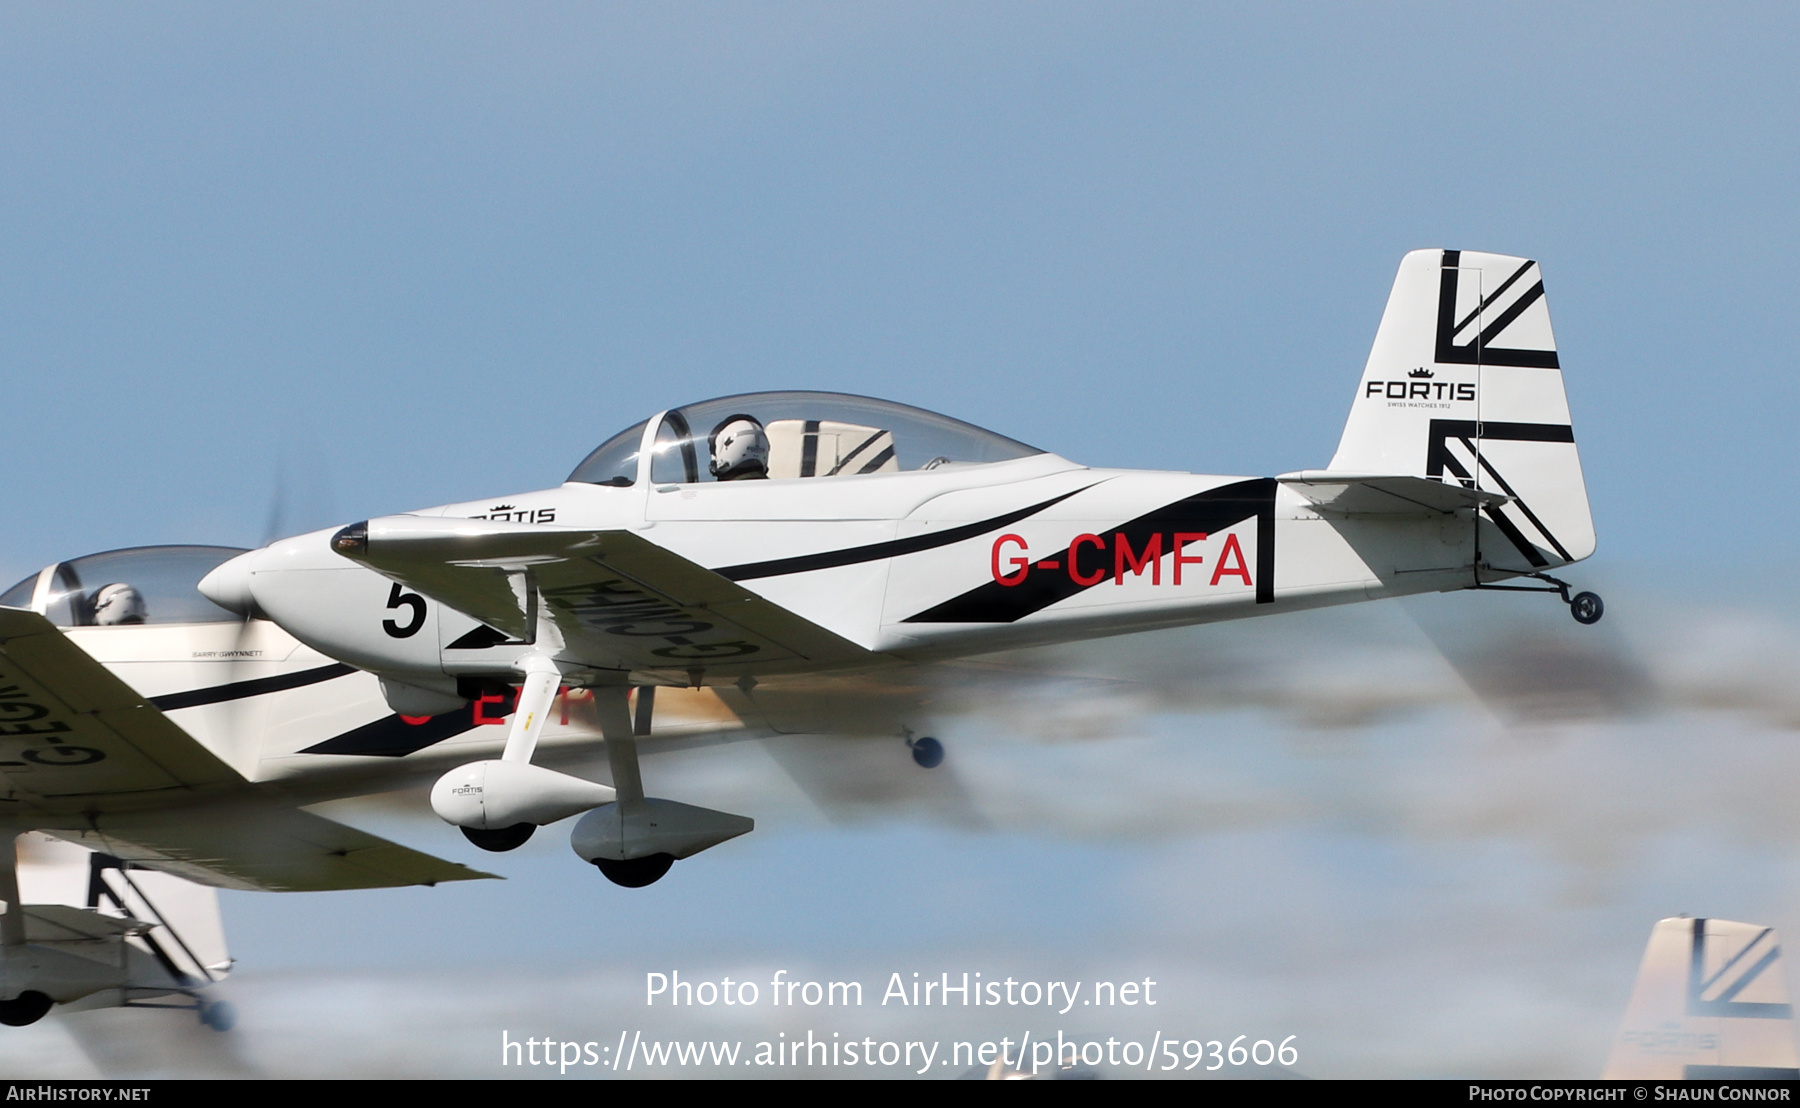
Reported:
(65, 923)
(1385, 494)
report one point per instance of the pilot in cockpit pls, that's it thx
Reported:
(116, 604)
(740, 449)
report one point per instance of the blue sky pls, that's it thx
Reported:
(392, 256)
(435, 252)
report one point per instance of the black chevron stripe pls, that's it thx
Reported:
(238, 690)
(1209, 512)
(1478, 352)
(892, 549)
(393, 737)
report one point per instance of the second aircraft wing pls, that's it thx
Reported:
(84, 757)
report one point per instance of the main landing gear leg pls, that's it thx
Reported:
(622, 730)
(542, 679)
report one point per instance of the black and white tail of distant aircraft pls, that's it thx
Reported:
(1711, 1002)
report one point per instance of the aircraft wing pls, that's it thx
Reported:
(71, 733)
(618, 600)
(261, 846)
(1385, 494)
(80, 748)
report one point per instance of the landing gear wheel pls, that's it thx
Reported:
(635, 873)
(928, 752)
(1587, 607)
(220, 1016)
(505, 838)
(28, 1007)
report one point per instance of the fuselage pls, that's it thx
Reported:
(914, 567)
(868, 535)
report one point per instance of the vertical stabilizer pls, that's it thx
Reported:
(1463, 385)
(1711, 1001)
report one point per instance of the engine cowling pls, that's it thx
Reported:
(491, 795)
(343, 610)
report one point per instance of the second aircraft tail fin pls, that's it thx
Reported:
(1710, 1002)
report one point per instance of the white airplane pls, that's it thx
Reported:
(173, 708)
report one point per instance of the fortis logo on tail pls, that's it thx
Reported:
(1420, 387)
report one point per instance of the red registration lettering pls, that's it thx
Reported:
(1182, 538)
(1225, 568)
(1123, 556)
(567, 695)
(1075, 574)
(505, 700)
(1021, 567)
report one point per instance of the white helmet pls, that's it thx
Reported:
(740, 448)
(118, 603)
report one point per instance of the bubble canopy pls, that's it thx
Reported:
(160, 585)
(810, 434)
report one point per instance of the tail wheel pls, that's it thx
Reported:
(1587, 607)
(635, 873)
(505, 838)
(28, 1007)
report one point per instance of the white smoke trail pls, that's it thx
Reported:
(1422, 854)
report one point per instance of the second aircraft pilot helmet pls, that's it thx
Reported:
(116, 604)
